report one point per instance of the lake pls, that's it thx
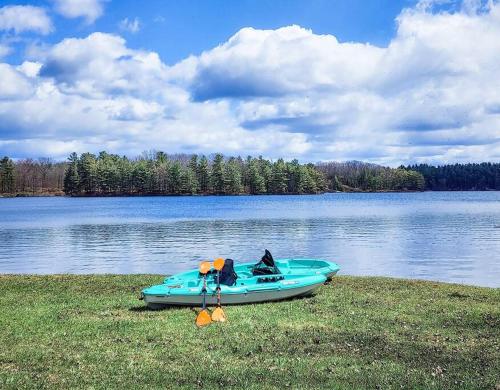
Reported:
(446, 236)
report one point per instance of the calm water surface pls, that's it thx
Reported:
(452, 236)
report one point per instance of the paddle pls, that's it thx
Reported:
(218, 314)
(203, 318)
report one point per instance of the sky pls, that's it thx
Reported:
(384, 81)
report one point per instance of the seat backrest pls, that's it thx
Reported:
(266, 266)
(227, 275)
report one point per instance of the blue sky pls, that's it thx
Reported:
(176, 29)
(383, 81)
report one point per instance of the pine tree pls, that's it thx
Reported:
(175, 178)
(266, 172)
(293, 173)
(233, 177)
(160, 173)
(125, 172)
(279, 178)
(256, 182)
(87, 171)
(306, 184)
(318, 179)
(71, 177)
(7, 176)
(108, 173)
(141, 176)
(189, 181)
(218, 177)
(203, 174)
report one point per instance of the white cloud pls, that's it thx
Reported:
(90, 10)
(277, 62)
(13, 84)
(130, 25)
(29, 68)
(438, 76)
(101, 64)
(432, 94)
(22, 18)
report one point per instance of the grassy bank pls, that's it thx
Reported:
(91, 331)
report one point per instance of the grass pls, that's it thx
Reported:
(91, 332)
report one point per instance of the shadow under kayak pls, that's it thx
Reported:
(297, 277)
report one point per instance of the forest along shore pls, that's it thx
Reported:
(161, 174)
(356, 332)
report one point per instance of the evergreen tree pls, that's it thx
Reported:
(7, 176)
(189, 181)
(203, 174)
(161, 168)
(233, 177)
(175, 175)
(279, 178)
(108, 174)
(71, 177)
(87, 172)
(218, 177)
(319, 183)
(256, 182)
(125, 172)
(266, 173)
(293, 173)
(141, 176)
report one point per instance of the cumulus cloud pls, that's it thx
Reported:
(13, 84)
(438, 75)
(130, 25)
(101, 64)
(22, 18)
(279, 62)
(90, 10)
(432, 94)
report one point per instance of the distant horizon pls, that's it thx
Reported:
(379, 81)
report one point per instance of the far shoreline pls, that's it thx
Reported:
(56, 195)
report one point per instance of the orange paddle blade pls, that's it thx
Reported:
(205, 267)
(203, 318)
(218, 263)
(218, 315)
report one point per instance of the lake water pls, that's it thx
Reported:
(447, 236)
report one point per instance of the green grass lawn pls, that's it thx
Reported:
(92, 331)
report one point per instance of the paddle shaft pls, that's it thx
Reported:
(204, 292)
(218, 288)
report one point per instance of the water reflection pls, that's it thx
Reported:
(409, 237)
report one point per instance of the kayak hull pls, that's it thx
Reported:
(298, 277)
(158, 301)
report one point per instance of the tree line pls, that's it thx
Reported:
(460, 177)
(360, 176)
(29, 176)
(158, 173)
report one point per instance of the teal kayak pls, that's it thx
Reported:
(252, 283)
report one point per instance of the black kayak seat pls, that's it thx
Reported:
(227, 274)
(266, 266)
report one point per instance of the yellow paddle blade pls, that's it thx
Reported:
(218, 315)
(203, 318)
(205, 267)
(218, 263)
